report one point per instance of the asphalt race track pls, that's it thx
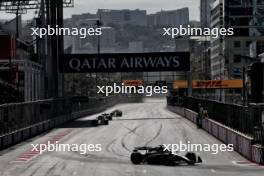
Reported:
(148, 123)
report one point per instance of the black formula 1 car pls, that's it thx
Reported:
(100, 120)
(160, 156)
(116, 113)
(108, 116)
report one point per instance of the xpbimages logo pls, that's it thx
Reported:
(123, 89)
(81, 148)
(190, 31)
(82, 32)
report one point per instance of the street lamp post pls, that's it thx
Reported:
(98, 25)
(245, 59)
(222, 56)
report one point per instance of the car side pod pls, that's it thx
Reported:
(136, 157)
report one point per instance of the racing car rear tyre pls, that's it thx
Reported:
(191, 156)
(170, 162)
(136, 158)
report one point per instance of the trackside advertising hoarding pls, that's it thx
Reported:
(125, 62)
(209, 84)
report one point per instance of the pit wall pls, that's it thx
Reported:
(242, 143)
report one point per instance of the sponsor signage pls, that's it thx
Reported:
(125, 62)
(209, 84)
(133, 82)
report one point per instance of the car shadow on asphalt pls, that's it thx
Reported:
(79, 124)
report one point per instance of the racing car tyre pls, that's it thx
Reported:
(191, 156)
(170, 162)
(136, 158)
(106, 122)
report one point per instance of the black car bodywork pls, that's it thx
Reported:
(159, 156)
(108, 116)
(100, 120)
(116, 113)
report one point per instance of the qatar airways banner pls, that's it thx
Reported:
(125, 62)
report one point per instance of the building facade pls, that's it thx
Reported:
(244, 16)
(205, 13)
(171, 18)
(123, 17)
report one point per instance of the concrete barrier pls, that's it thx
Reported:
(16, 137)
(7, 140)
(46, 125)
(244, 146)
(242, 143)
(1, 146)
(40, 128)
(232, 139)
(214, 130)
(222, 134)
(257, 154)
(33, 131)
(25, 133)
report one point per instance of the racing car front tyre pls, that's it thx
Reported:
(136, 158)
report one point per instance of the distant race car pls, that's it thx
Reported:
(116, 113)
(108, 116)
(159, 156)
(101, 120)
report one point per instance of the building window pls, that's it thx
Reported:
(248, 43)
(237, 59)
(237, 44)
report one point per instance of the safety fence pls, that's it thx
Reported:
(245, 119)
(24, 120)
(242, 143)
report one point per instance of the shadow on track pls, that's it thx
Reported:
(169, 118)
(78, 124)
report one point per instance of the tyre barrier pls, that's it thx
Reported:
(241, 142)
